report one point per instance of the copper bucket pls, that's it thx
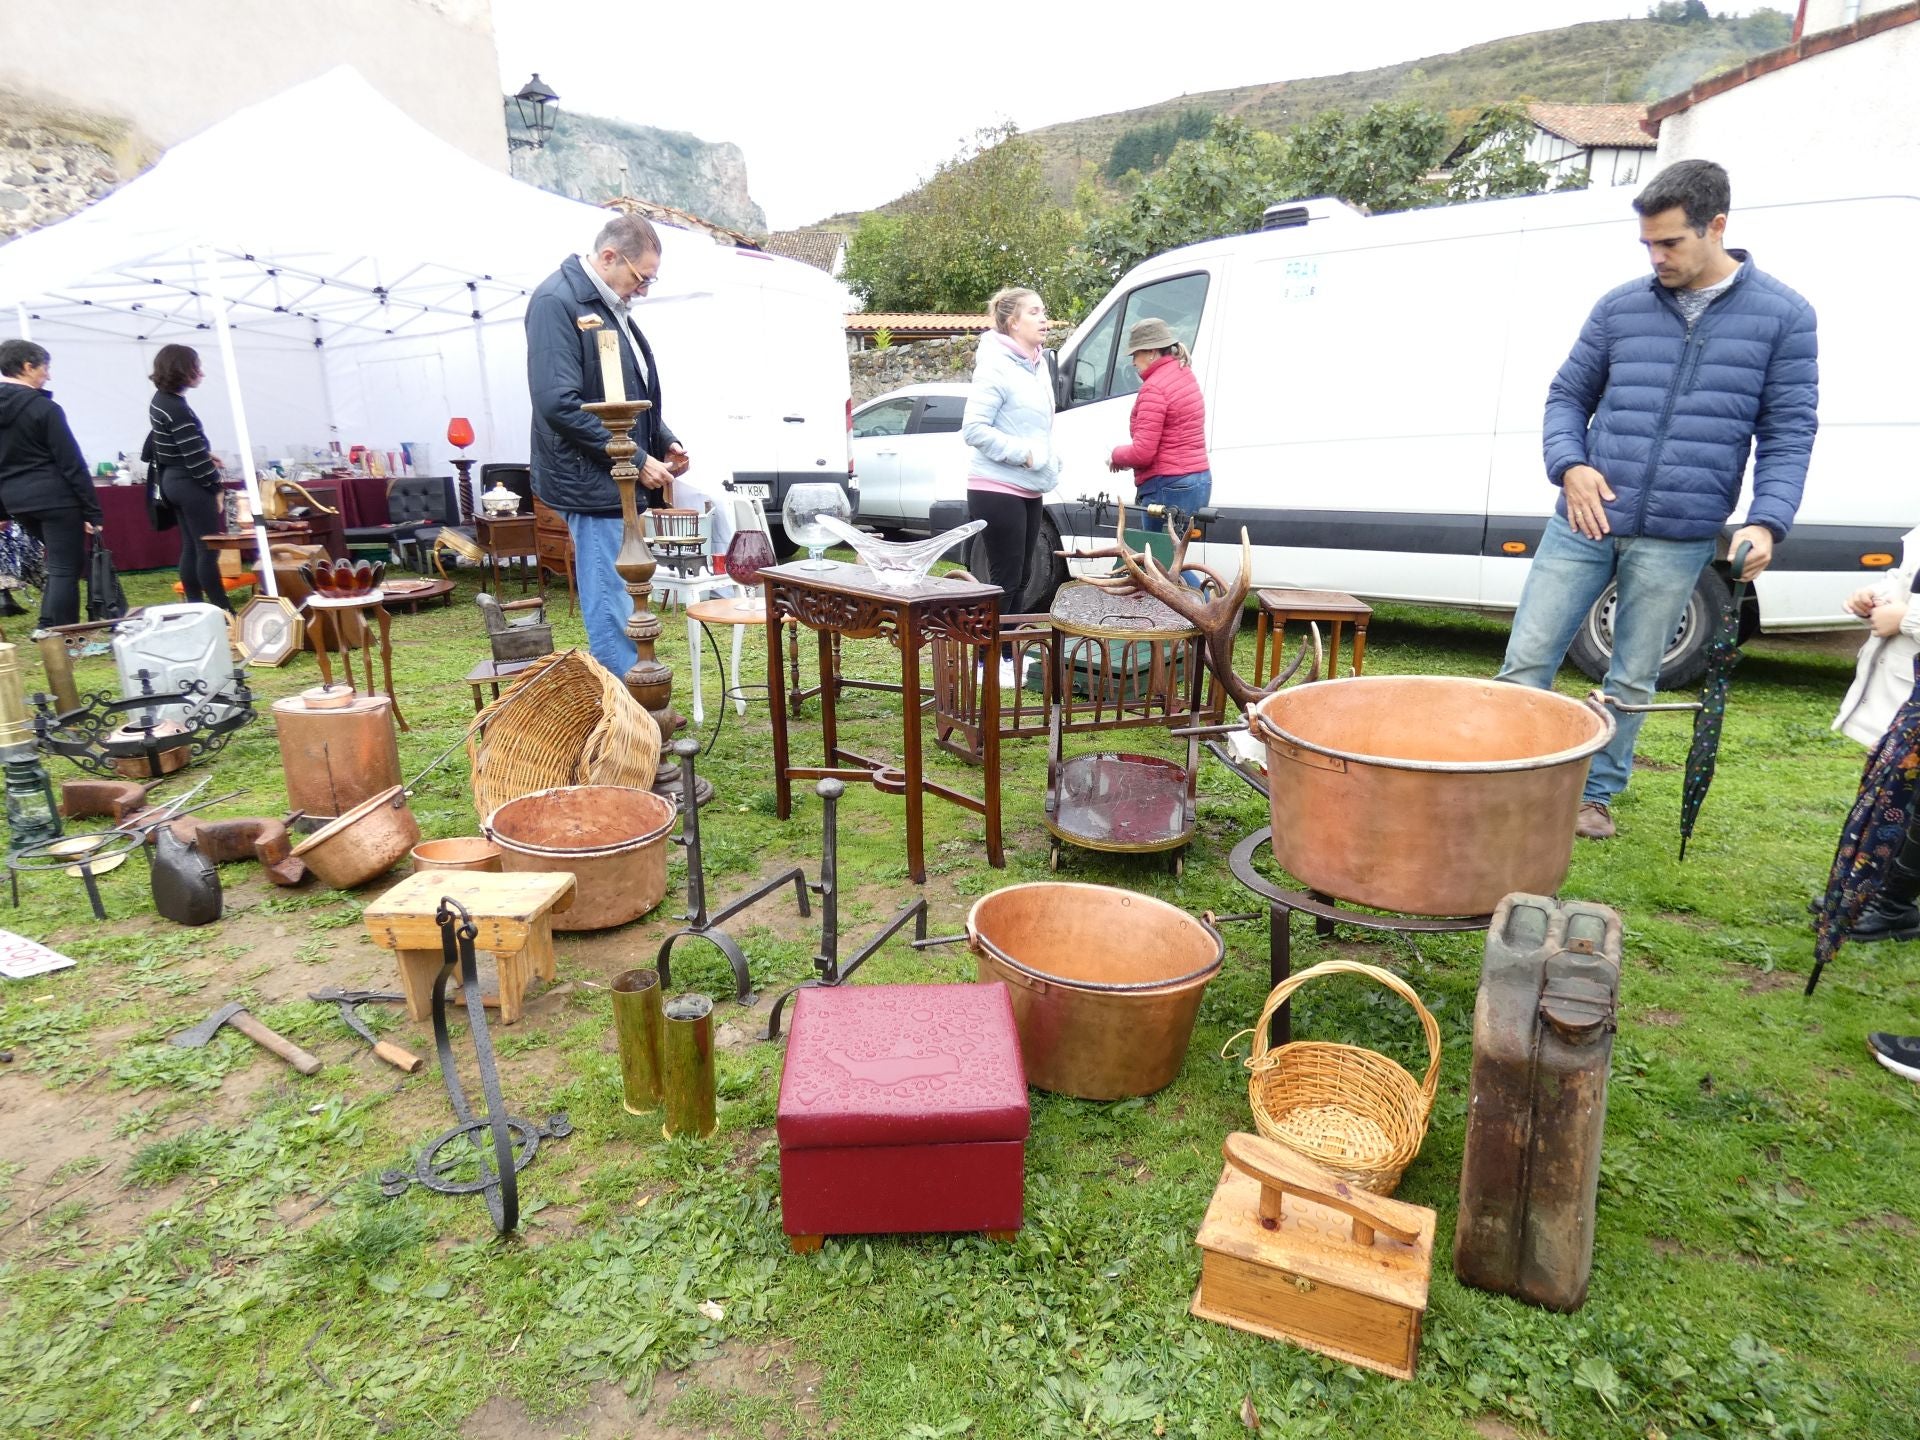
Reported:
(1105, 983)
(1426, 794)
(613, 838)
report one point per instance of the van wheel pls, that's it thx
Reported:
(1686, 658)
(1046, 571)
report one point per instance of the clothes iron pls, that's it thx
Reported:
(1296, 1254)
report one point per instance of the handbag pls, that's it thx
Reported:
(160, 514)
(106, 600)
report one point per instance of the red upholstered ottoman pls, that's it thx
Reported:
(902, 1108)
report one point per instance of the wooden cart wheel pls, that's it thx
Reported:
(1179, 863)
(1053, 856)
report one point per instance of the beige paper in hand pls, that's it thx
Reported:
(610, 366)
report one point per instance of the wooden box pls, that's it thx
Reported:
(902, 1108)
(1293, 1253)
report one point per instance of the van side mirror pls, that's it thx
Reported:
(1062, 388)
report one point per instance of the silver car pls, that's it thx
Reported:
(907, 453)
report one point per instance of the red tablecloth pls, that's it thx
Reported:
(135, 544)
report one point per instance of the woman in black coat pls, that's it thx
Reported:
(188, 481)
(43, 477)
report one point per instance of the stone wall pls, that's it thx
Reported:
(875, 372)
(47, 173)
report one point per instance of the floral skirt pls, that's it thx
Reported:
(23, 559)
(1876, 829)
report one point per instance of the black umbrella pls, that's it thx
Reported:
(1723, 653)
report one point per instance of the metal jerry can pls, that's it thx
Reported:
(1542, 1044)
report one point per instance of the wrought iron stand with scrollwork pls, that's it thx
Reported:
(103, 729)
(847, 601)
(514, 1141)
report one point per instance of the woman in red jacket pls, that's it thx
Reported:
(1168, 455)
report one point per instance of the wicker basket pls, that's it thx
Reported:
(1351, 1111)
(582, 728)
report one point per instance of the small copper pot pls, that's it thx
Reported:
(462, 852)
(364, 843)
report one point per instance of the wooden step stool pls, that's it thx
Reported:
(903, 1108)
(513, 914)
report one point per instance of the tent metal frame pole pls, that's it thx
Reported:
(326, 383)
(216, 288)
(486, 384)
(26, 326)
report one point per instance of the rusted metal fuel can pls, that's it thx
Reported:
(1543, 1031)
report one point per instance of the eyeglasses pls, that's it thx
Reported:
(641, 282)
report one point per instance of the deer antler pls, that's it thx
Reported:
(1217, 620)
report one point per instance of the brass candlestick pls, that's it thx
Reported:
(650, 681)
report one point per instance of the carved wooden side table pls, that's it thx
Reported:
(846, 601)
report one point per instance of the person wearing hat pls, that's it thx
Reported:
(1168, 453)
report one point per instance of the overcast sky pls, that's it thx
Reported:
(844, 106)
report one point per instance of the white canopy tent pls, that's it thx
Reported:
(359, 278)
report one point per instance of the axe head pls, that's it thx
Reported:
(203, 1032)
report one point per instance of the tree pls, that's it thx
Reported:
(1377, 161)
(1208, 188)
(986, 219)
(1494, 161)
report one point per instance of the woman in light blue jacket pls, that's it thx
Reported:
(1009, 429)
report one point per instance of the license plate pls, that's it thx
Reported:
(754, 492)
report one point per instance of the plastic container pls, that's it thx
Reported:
(613, 838)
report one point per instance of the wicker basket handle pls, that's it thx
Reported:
(1283, 992)
(1282, 1172)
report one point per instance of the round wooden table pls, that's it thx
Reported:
(412, 600)
(739, 616)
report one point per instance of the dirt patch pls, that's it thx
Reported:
(1662, 1018)
(1763, 982)
(1887, 1220)
(735, 1372)
(1491, 1427)
(1640, 762)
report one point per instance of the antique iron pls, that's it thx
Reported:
(705, 925)
(826, 962)
(515, 1141)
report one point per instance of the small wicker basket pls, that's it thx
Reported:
(585, 729)
(1351, 1111)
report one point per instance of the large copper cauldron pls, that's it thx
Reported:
(1426, 794)
(1105, 983)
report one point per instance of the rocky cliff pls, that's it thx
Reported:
(583, 162)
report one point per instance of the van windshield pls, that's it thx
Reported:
(1100, 369)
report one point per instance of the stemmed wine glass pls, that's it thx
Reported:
(800, 514)
(749, 552)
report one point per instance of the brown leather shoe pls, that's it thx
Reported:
(1594, 822)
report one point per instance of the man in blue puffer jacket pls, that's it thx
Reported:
(1649, 423)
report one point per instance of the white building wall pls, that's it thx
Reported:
(1851, 115)
(1832, 14)
(1608, 166)
(172, 67)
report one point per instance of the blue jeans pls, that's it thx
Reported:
(1183, 494)
(604, 603)
(1569, 574)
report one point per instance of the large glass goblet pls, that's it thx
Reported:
(750, 552)
(805, 504)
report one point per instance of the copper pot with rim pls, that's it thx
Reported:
(1426, 794)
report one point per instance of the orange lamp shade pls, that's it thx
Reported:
(460, 432)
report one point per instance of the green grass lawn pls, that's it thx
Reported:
(192, 1242)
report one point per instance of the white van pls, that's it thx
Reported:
(1374, 391)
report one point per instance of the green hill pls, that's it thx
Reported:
(1607, 60)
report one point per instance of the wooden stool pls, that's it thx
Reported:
(1278, 608)
(492, 672)
(514, 915)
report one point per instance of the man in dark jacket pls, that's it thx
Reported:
(1674, 380)
(43, 478)
(586, 297)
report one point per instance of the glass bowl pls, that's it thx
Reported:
(899, 564)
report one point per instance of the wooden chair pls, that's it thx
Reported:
(681, 541)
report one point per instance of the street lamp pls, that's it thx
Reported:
(536, 106)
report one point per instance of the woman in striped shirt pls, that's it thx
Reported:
(188, 482)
